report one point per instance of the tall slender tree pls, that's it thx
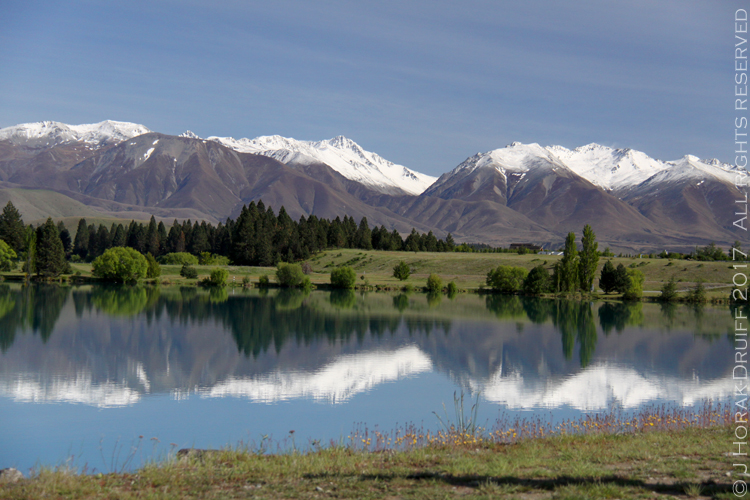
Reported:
(569, 265)
(589, 258)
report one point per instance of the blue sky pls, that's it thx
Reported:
(422, 83)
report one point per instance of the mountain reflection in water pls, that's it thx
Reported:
(110, 346)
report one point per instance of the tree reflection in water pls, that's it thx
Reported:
(618, 315)
(261, 321)
(29, 308)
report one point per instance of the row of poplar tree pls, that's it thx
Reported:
(257, 237)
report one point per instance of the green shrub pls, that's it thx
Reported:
(154, 269)
(434, 283)
(401, 271)
(7, 256)
(452, 289)
(178, 259)
(211, 259)
(264, 281)
(506, 279)
(290, 275)
(343, 277)
(121, 264)
(634, 290)
(218, 277)
(188, 272)
(537, 282)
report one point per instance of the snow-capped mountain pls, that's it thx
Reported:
(617, 169)
(342, 154)
(498, 174)
(515, 158)
(48, 134)
(609, 168)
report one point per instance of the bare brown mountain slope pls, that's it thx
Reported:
(522, 193)
(530, 181)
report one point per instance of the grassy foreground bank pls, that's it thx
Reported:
(684, 463)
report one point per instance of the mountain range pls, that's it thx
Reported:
(519, 193)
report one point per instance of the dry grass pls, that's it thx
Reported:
(664, 453)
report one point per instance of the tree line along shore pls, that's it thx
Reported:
(261, 248)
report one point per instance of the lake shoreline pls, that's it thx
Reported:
(467, 270)
(684, 463)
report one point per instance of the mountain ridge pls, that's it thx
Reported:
(523, 192)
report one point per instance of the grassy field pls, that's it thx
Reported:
(468, 270)
(687, 463)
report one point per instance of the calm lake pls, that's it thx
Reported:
(87, 374)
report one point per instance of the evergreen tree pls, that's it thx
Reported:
(397, 243)
(430, 242)
(622, 279)
(50, 256)
(608, 278)
(450, 244)
(152, 238)
(336, 235)
(350, 229)
(669, 291)
(173, 236)
(412, 241)
(223, 240)
(102, 240)
(93, 245)
(243, 248)
(161, 232)
(322, 230)
(119, 238)
(12, 230)
(589, 258)
(199, 242)
(67, 241)
(136, 237)
(363, 236)
(81, 241)
(180, 245)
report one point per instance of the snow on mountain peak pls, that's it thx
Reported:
(607, 167)
(340, 153)
(189, 134)
(49, 133)
(515, 157)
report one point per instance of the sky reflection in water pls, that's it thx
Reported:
(86, 370)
